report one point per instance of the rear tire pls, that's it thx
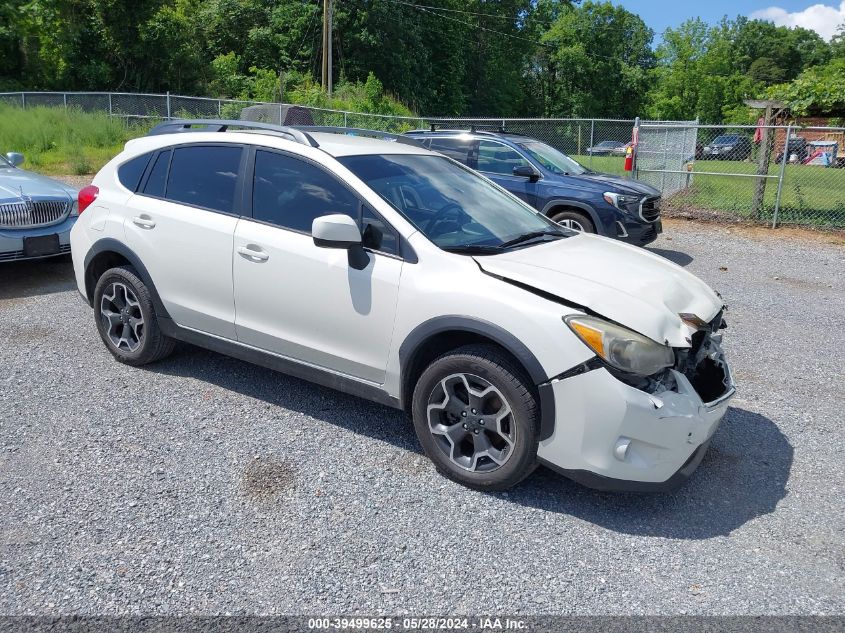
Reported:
(477, 417)
(126, 318)
(574, 220)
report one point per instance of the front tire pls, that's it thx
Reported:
(126, 318)
(574, 220)
(477, 418)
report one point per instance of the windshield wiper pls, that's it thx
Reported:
(472, 249)
(526, 237)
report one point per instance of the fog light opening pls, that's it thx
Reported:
(620, 451)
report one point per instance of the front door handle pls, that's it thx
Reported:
(144, 221)
(253, 253)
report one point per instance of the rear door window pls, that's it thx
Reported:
(205, 176)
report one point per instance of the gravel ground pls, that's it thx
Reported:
(206, 485)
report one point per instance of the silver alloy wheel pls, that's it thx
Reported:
(471, 422)
(571, 224)
(122, 317)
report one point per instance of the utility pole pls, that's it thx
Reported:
(327, 46)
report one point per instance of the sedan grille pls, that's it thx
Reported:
(650, 209)
(32, 213)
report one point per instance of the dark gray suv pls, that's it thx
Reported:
(555, 184)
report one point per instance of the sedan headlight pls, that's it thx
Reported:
(74, 208)
(622, 202)
(620, 347)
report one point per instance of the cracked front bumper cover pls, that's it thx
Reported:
(612, 436)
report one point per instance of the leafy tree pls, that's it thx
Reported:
(819, 90)
(601, 54)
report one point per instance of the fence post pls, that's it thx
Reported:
(168, 104)
(592, 143)
(345, 119)
(64, 98)
(110, 108)
(219, 109)
(281, 115)
(635, 140)
(781, 175)
(23, 100)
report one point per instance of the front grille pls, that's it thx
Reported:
(31, 214)
(650, 209)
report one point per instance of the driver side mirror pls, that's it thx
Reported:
(335, 231)
(15, 158)
(526, 171)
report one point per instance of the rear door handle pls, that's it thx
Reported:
(253, 253)
(144, 221)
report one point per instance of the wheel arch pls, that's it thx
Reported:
(573, 205)
(439, 335)
(108, 253)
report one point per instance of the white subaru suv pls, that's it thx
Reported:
(363, 262)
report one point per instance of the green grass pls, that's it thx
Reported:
(56, 141)
(811, 194)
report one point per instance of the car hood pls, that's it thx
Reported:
(617, 184)
(626, 284)
(14, 181)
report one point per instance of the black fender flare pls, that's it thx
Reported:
(111, 245)
(451, 323)
(577, 204)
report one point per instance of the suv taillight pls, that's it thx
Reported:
(87, 195)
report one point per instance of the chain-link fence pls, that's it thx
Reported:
(766, 174)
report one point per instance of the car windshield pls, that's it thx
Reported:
(725, 139)
(610, 144)
(451, 205)
(553, 160)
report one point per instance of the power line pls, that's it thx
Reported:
(486, 15)
(424, 9)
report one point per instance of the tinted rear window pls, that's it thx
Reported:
(129, 173)
(205, 176)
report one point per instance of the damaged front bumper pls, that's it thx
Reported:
(650, 437)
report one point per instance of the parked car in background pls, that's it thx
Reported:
(728, 147)
(378, 267)
(607, 147)
(36, 212)
(555, 184)
(797, 147)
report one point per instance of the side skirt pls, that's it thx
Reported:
(282, 364)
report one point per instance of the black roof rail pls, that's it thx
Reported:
(221, 125)
(473, 129)
(356, 131)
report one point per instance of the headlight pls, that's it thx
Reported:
(621, 347)
(622, 202)
(706, 148)
(727, 148)
(74, 208)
